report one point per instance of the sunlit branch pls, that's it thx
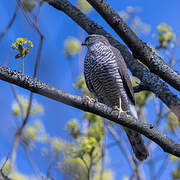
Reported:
(36, 86)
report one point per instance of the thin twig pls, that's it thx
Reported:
(14, 152)
(29, 19)
(17, 99)
(2, 34)
(171, 58)
(122, 147)
(33, 165)
(102, 154)
(124, 150)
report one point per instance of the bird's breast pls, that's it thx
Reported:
(102, 70)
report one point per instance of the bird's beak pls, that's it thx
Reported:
(83, 43)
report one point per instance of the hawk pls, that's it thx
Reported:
(107, 78)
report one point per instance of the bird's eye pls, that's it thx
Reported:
(88, 38)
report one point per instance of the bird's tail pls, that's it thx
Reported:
(139, 148)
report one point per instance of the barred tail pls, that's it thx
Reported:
(139, 148)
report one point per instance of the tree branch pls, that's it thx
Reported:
(139, 49)
(150, 80)
(36, 86)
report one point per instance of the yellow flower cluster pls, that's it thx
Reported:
(84, 6)
(72, 46)
(165, 36)
(22, 47)
(29, 5)
(31, 133)
(35, 109)
(87, 143)
(22, 42)
(57, 144)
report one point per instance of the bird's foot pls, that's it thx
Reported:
(120, 110)
(90, 99)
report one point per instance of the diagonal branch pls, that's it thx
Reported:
(150, 81)
(139, 49)
(36, 86)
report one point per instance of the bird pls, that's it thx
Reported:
(106, 76)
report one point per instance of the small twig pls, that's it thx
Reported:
(172, 61)
(90, 164)
(23, 64)
(2, 34)
(102, 154)
(151, 169)
(162, 168)
(28, 18)
(14, 152)
(17, 99)
(33, 165)
(123, 149)
(85, 163)
(7, 60)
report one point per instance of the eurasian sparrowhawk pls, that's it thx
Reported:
(107, 79)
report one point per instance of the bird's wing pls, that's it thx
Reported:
(123, 71)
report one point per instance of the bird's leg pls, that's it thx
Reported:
(90, 99)
(119, 109)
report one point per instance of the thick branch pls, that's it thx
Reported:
(140, 49)
(150, 81)
(41, 88)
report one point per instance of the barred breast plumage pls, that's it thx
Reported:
(107, 78)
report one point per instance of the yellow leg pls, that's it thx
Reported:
(119, 109)
(90, 99)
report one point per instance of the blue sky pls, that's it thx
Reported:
(61, 72)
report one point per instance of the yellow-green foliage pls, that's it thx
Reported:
(58, 144)
(23, 46)
(165, 36)
(5, 165)
(87, 144)
(84, 6)
(81, 85)
(18, 176)
(29, 5)
(174, 158)
(34, 133)
(36, 108)
(96, 128)
(176, 173)
(173, 122)
(74, 167)
(30, 133)
(74, 128)
(107, 175)
(72, 46)
(141, 98)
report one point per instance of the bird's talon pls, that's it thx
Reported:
(90, 99)
(120, 111)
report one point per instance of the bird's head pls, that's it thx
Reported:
(93, 39)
